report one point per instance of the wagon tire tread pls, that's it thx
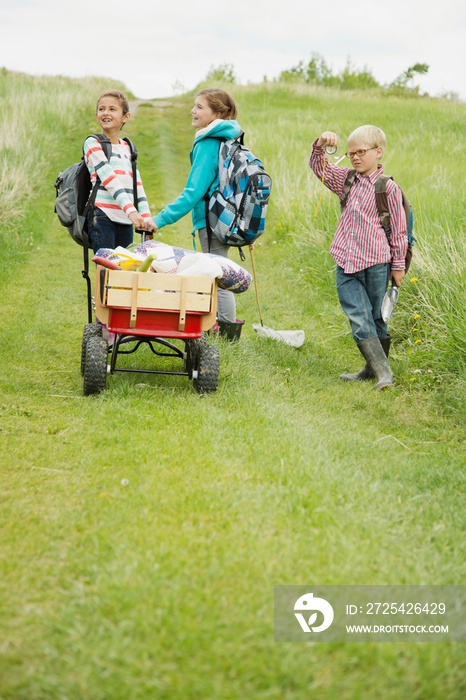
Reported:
(90, 330)
(208, 369)
(95, 366)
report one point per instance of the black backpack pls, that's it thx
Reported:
(74, 197)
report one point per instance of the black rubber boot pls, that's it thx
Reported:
(230, 331)
(373, 351)
(366, 373)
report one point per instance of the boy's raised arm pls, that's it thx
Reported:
(335, 176)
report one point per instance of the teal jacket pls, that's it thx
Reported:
(203, 177)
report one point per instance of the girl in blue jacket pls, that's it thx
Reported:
(213, 117)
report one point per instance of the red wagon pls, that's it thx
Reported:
(153, 309)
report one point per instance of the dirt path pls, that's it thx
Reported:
(134, 105)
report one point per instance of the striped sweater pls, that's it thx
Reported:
(115, 193)
(360, 240)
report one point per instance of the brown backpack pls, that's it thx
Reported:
(381, 201)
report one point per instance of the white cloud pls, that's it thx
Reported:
(149, 45)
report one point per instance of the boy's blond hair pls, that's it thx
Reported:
(368, 134)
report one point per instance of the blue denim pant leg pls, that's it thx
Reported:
(105, 233)
(361, 294)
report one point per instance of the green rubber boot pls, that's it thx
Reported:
(366, 373)
(374, 354)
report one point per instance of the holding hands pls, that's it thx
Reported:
(144, 223)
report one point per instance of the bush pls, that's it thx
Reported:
(402, 82)
(223, 73)
(317, 72)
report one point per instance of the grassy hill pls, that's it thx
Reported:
(162, 587)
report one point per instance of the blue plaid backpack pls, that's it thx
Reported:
(235, 212)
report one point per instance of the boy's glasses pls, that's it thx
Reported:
(362, 152)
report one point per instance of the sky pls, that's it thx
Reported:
(158, 47)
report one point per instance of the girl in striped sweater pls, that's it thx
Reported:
(111, 219)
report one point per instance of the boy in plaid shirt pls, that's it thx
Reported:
(365, 260)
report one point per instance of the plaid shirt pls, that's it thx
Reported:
(360, 241)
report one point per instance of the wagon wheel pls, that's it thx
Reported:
(95, 365)
(90, 330)
(192, 348)
(208, 369)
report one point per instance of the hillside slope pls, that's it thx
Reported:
(144, 529)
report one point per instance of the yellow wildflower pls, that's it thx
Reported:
(417, 316)
(413, 279)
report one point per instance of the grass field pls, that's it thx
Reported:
(163, 587)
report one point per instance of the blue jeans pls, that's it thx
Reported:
(105, 233)
(361, 294)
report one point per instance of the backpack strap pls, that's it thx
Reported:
(381, 201)
(350, 178)
(134, 157)
(132, 148)
(104, 142)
